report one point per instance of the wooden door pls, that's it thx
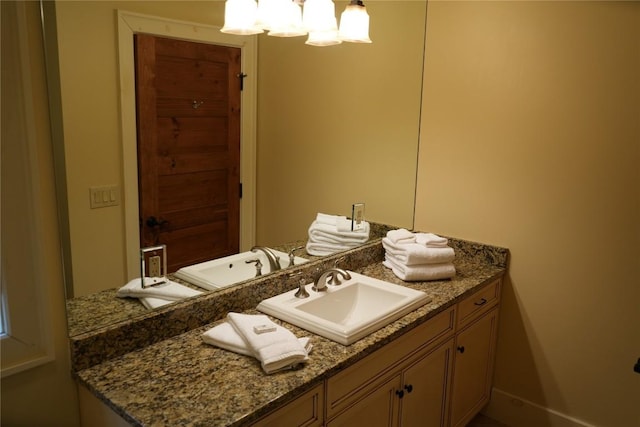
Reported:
(188, 120)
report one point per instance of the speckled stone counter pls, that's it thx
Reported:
(182, 381)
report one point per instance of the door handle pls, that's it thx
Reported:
(153, 222)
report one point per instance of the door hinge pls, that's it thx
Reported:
(241, 76)
(240, 192)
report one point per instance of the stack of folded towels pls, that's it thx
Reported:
(157, 291)
(256, 335)
(418, 256)
(329, 234)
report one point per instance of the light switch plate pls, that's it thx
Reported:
(101, 197)
(357, 216)
(153, 263)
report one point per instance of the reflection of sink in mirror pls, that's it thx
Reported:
(223, 272)
(347, 312)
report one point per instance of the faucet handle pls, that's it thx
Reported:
(302, 291)
(258, 265)
(292, 256)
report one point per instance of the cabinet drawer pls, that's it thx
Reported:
(478, 303)
(306, 410)
(355, 381)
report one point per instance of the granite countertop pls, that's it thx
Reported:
(183, 381)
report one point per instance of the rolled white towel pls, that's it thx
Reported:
(276, 349)
(401, 235)
(226, 337)
(422, 272)
(431, 240)
(414, 253)
(168, 291)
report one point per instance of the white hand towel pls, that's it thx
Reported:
(422, 272)
(169, 291)
(431, 240)
(225, 336)
(401, 235)
(275, 350)
(414, 253)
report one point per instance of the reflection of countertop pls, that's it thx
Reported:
(102, 309)
(182, 381)
(94, 312)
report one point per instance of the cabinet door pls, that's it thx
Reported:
(306, 410)
(473, 368)
(378, 409)
(425, 386)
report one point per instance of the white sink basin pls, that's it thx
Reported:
(347, 312)
(222, 272)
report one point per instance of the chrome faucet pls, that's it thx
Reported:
(274, 261)
(320, 282)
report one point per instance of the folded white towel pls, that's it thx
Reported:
(323, 218)
(152, 303)
(327, 233)
(276, 349)
(225, 336)
(168, 291)
(324, 249)
(431, 240)
(414, 253)
(422, 272)
(401, 235)
(340, 222)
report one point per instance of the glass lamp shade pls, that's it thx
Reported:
(287, 20)
(323, 38)
(319, 15)
(267, 13)
(240, 17)
(354, 24)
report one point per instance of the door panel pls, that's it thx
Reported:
(426, 402)
(188, 105)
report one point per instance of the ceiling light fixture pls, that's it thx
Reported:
(292, 18)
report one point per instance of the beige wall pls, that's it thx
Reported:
(44, 395)
(339, 125)
(530, 139)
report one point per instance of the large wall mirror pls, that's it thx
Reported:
(333, 126)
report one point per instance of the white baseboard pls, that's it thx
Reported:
(517, 412)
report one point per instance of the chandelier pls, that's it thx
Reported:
(292, 18)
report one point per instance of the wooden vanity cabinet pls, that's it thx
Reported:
(436, 375)
(404, 383)
(306, 410)
(474, 354)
